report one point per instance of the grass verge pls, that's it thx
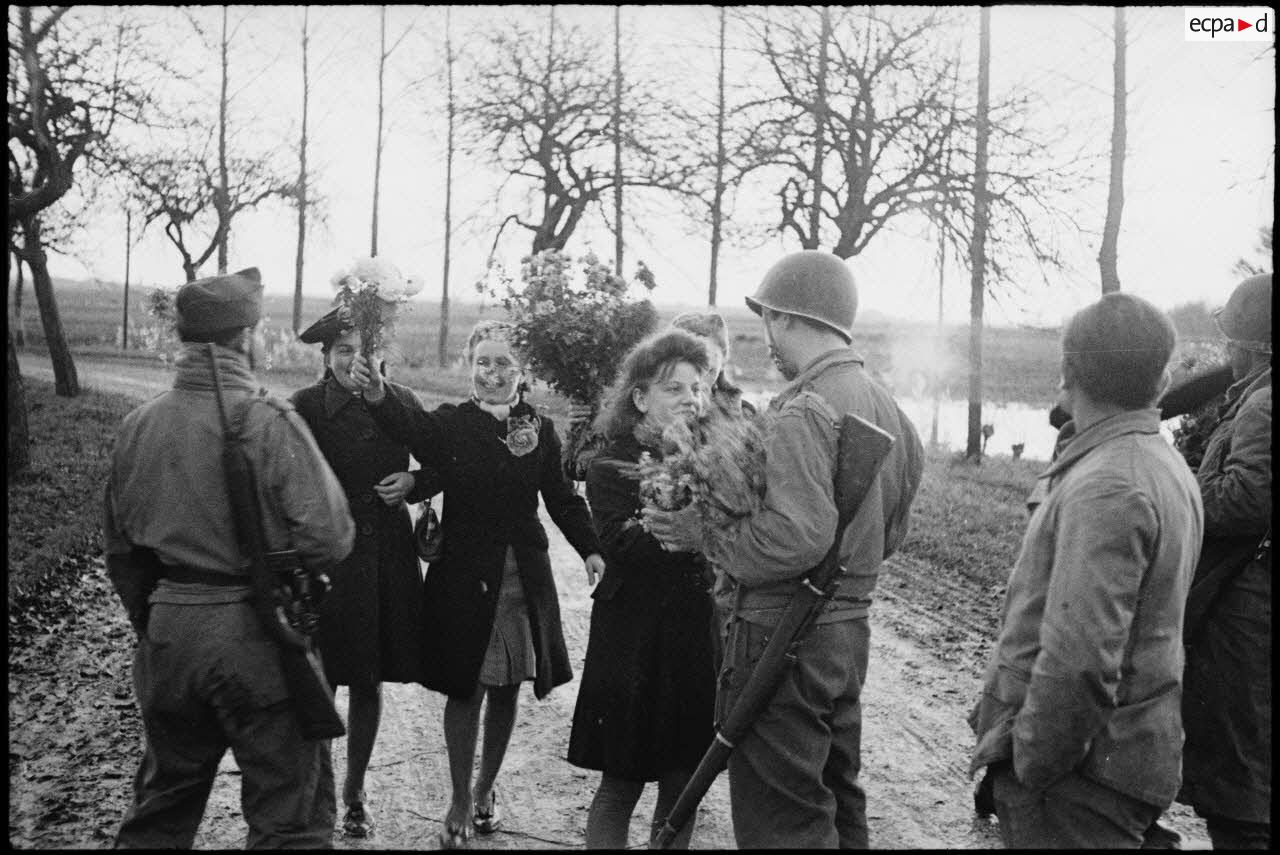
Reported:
(968, 520)
(55, 505)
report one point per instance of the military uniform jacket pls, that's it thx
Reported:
(794, 529)
(371, 622)
(1226, 702)
(167, 490)
(490, 502)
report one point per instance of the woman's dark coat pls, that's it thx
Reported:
(647, 698)
(490, 503)
(371, 622)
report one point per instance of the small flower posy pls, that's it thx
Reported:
(368, 293)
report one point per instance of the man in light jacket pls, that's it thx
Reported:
(1079, 719)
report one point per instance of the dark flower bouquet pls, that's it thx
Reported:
(574, 331)
(716, 465)
(1191, 435)
(369, 292)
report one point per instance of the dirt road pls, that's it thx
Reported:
(928, 646)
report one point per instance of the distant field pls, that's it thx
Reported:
(1019, 364)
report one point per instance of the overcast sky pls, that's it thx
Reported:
(1198, 181)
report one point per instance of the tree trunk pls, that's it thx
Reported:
(65, 381)
(377, 156)
(939, 355)
(302, 182)
(717, 202)
(1108, 256)
(128, 257)
(617, 138)
(19, 441)
(442, 345)
(223, 195)
(977, 249)
(819, 122)
(20, 326)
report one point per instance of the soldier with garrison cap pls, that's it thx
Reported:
(793, 780)
(206, 674)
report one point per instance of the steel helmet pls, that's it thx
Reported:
(1246, 319)
(812, 284)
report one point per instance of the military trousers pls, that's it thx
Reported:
(1072, 813)
(793, 780)
(208, 678)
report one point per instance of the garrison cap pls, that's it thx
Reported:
(216, 303)
(1246, 319)
(331, 325)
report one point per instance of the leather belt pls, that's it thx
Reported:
(192, 576)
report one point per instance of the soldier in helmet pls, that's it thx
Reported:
(207, 674)
(794, 780)
(1226, 700)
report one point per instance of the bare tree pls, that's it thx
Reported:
(384, 53)
(70, 83)
(442, 345)
(860, 128)
(301, 197)
(617, 139)
(1108, 255)
(67, 91)
(977, 253)
(181, 191)
(717, 197)
(377, 156)
(19, 323)
(546, 115)
(128, 265)
(221, 195)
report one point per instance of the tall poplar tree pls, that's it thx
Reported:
(977, 246)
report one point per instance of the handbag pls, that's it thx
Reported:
(428, 536)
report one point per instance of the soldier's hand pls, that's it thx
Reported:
(677, 531)
(367, 378)
(394, 488)
(595, 567)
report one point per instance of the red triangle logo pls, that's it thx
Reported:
(1242, 25)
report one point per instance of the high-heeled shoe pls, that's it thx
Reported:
(357, 822)
(488, 821)
(454, 836)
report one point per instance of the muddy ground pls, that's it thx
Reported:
(75, 739)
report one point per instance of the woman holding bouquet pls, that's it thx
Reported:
(714, 333)
(646, 703)
(371, 622)
(492, 619)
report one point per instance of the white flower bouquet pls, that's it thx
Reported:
(369, 292)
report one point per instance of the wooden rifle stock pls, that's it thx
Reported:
(309, 690)
(862, 450)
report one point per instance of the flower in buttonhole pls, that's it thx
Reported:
(522, 434)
